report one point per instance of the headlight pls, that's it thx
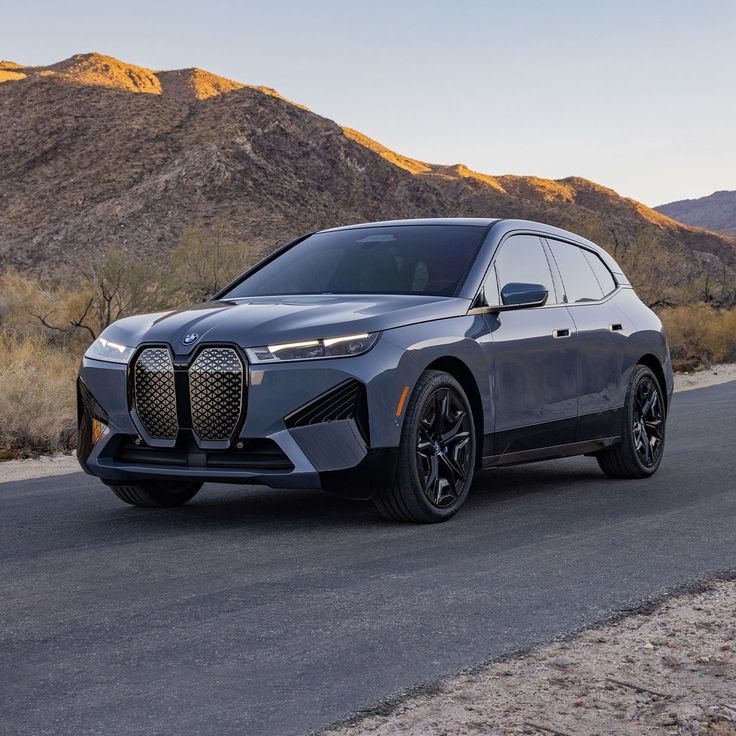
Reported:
(102, 349)
(328, 347)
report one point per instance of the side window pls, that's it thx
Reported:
(522, 260)
(578, 278)
(601, 272)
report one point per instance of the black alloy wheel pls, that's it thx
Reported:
(648, 429)
(443, 457)
(639, 453)
(436, 458)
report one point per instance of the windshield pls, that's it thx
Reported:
(405, 259)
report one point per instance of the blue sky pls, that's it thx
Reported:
(638, 96)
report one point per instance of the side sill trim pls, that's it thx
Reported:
(548, 453)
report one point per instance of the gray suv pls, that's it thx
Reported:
(388, 360)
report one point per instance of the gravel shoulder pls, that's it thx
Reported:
(712, 376)
(42, 467)
(669, 671)
(15, 470)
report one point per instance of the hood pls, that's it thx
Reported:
(255, 321)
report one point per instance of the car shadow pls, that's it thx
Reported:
(226, 506)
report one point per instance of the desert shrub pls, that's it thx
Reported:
(700, 335)
(37, 396)
(203, 263)
(46, 326)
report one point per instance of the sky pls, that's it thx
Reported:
(637, 96)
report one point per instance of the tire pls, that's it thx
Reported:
(155, 493)
(432, 478)
(640, 451)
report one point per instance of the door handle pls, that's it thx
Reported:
(565, 332)
(616, 327)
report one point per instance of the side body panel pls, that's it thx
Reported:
(609, 338)
(534, 379)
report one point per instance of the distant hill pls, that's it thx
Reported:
(714, 212)
(97, 153)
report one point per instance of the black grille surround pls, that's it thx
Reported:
(203, 394)
(347, 400)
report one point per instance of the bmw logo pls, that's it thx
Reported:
(190, 338)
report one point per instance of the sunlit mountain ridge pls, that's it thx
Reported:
(97, 153)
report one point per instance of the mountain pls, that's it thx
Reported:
(714, 212)
(96, 153)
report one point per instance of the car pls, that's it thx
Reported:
(386, 361)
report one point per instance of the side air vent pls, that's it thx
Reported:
(89, 404)
(346, 401)
(89, 413)
(154, 393)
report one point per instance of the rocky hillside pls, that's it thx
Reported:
(715, 212)
(96, 153)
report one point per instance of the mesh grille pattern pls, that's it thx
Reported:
(216, 393)
(155, 393)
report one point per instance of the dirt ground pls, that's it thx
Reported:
(709, 377)
(671, 671)
(42, 467)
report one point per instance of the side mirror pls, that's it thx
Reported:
(518, 296)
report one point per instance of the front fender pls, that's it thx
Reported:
(459, 338)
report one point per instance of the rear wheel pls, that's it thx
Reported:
(156, 493)
(640, 451)
(436, 454)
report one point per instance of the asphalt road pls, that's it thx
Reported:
(257, 611)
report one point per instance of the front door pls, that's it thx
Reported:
(532, 357)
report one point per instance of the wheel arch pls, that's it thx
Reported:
(464, 376)
(652, 362)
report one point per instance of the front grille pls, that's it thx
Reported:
(346, 401)
(206, 397)
(216, 393)
(155, 393)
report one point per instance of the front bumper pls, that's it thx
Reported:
(340, 456)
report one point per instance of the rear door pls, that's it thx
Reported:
(601, 333)
(532, 356)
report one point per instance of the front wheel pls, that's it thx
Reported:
(156, 493)
(436, 455)
(640, 451)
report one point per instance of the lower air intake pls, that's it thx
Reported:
(346, 401)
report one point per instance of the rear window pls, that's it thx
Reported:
(605, 279)
(407, 259)
(578, 278)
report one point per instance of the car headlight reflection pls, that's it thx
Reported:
(328, 347)
(103, 349)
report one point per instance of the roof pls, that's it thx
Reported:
(469, 221)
